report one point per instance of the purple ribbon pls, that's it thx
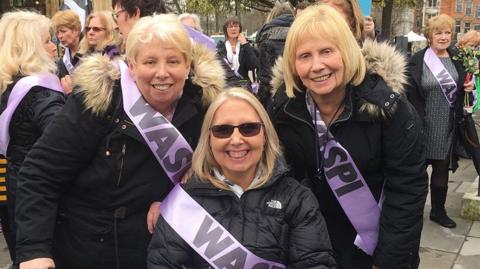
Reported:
(348, 185)
(446, 81)
(174, 155)
(21, 88)
(67, 61)
(201, 38)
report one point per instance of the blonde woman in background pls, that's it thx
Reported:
(100, 34)
(191, 20)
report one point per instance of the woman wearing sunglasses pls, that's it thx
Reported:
(86, 188)
(240, 181)
(350, 135)
(99, 34)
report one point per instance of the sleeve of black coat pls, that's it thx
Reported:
(309, 243)
(167, 249)
(405, 190)
(46, 103)
(66, 146)
(249, 57)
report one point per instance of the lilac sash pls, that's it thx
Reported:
(348, 185)
(447, 83)
(21, 88)
(174, 155)
(67, 61)
(201, 38)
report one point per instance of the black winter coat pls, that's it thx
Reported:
(382, 133)
(294, 235)
(62, 69)
(247, 58)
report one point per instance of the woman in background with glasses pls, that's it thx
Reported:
(99, 34)
(240, 181)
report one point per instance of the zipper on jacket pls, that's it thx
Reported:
(124, 150)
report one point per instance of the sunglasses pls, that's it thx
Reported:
(246, 129)
(95, 29)
(115, 14)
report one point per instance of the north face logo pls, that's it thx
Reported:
(274, 204)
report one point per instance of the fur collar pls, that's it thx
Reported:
(96, 76)
(381, 59)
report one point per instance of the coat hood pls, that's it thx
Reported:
(381, 59)
(96, 76)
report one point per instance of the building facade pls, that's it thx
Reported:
(49, 7)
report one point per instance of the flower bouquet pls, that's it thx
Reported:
(469, 59)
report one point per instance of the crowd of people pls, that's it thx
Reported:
(144, 146)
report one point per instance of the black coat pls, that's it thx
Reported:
(247, 58)
(389, 152)
(62, 69)
(32, 115)
(416, 97)
(294, 235)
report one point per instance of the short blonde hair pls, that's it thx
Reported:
(195, 19)
(165, 28)
(111, 37)
(66, 18)
(471, 36)
(22, 48)
(322, 21)
(437, 23)
(203, 160)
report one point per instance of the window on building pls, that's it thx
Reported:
(468, 8)
(459, 8)
(458, 24)
(432, 3)
(477, 11)
(476, 27)
(466, 27)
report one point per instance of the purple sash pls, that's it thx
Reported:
(174, 155)
(201, 38)
(348, 185)
(67, 61)
(445, 80)
(21, 88)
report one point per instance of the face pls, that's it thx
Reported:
(319, 65)
(124, 21)
(238, 156)
(160, 74)
(441, 39)
(68, 37)
(233, 30)
(48, 45)
(95, 32)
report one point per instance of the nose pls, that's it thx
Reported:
(317, 64)
(236, 138)
(162, 71)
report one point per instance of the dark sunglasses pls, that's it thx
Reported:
(95, 29)
(246, 129)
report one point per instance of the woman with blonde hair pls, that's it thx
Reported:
(88, 183)
(30, 93)
(350, 135)
(191, 20)
(100, 34)
(240, 181)
(470, 39)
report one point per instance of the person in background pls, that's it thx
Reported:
(301, 6)
(270, 42)
(240, 180)
(349, 134)
(26, 53)
(191, 20)
(86, 186)
(236, 52)
(438, 114)
(351, 12)
(100, 34)
(66, 25)
(470, 39)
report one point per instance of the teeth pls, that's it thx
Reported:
(237, 154)
(321, 78)
(162, 87)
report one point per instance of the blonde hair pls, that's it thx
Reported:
(279, 9)
(322, 21)
(165, 28)
(22, 48)
(471, 36)
(111, 35)
(195, 19)
(203, 161)
(351, 9)
(66, 18)
(437, 23)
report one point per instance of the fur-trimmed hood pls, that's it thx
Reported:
(381, 59)
(96, 76)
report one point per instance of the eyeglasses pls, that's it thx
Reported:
(94, 28)
(115, 14)
(233, 26)
(246, 129)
